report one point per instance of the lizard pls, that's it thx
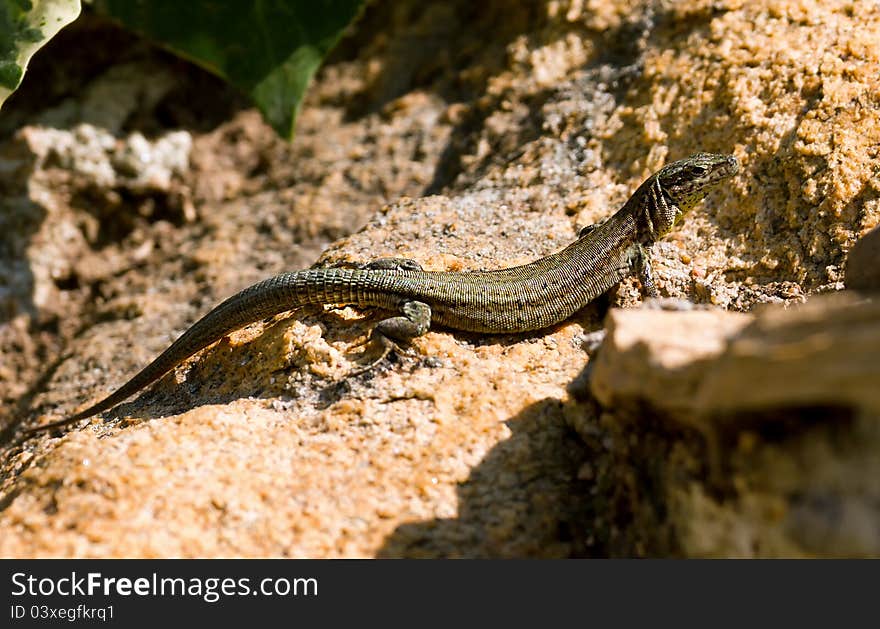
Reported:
(528, 297)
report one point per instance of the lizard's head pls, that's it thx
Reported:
(684, 183)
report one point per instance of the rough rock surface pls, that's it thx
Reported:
(660, 357)
(715, 363)
(788, 402)
(465, 136)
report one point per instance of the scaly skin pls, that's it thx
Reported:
(517, 299)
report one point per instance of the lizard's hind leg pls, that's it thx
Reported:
(393, 332)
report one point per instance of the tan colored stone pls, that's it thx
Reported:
(716, 364)
(786, 407)
(823, 353)
(660, 358)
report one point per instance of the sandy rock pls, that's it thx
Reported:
(103, 161)
(823, 353)
(715, 363)
(659, 357)
(786, 405)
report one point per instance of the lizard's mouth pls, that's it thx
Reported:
(729, 168)
(723, 169)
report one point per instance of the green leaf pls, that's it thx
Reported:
(25, 25)
(267, 48)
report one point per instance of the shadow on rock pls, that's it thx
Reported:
(524, 499)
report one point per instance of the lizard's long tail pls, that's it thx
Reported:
(267, 298)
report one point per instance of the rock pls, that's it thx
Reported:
(822, 354)
(786, 406)
(863, 263)
(660, 357)
(717, 364)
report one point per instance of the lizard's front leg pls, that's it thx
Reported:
(591, 228)
(642, 265)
